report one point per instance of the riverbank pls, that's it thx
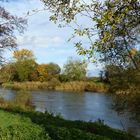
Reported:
(20, 124)
(76, 86)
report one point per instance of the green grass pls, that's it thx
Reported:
(18, 127)
(7, 119)
(17, 124)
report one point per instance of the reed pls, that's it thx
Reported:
(76, 86)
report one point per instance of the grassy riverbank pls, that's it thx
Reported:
(77, 86)
(28, 125)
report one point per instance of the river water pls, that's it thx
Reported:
(87, 106)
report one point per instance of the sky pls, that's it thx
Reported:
(48, 42)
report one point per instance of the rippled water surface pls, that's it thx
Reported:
(86, 106)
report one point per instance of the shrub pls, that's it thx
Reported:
(63, 78)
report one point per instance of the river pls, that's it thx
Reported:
(87, 106)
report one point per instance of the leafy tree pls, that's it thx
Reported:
(34, 74)
(25, 69)
(8, 25)
(53, 69)
(63, 78)
(118, 25)
(48, 71)
(23, 54)
(8, 72)
(75, 69)
(25, 64)
(42, 73)
(125, 83)
(101, 75)
(114, 24)
(126, 78)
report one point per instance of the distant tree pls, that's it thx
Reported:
(8, 72)
(42, 72)
(25, 69)
(48, 71)
(75, 69)
(53, 69)
(8, 25)
(25, 64)
(101, 75)
(34, 74)
(23, 54)
(63, 78)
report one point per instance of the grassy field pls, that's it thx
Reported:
(16, 124)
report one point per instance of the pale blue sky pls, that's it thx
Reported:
(47, 41)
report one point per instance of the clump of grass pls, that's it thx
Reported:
(96, 87)
(72, 86)
(83, 86)
(32, 85)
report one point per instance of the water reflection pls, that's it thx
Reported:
(80, 106)
(7, 94)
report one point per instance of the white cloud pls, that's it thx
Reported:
(39, 41)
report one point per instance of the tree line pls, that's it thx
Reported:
(23, 67)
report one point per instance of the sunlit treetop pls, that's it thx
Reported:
(23, 54)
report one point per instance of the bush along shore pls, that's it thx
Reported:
(18, 124)
(77, 86)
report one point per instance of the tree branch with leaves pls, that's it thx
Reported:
(8, 25)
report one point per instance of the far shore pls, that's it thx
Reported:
(75, 86)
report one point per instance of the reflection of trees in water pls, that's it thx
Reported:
(123, 104)
(23, 98)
